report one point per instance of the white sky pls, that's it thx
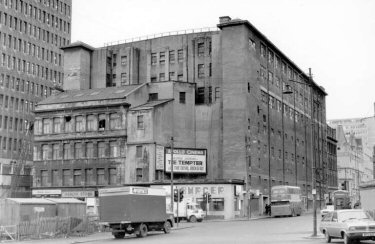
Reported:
(336, 38)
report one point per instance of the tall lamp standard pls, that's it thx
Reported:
(312, 112)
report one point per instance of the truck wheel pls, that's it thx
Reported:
(167, 227)
(193, 219)
(142, 230)
(118, 235)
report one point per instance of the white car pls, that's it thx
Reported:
(349, 224)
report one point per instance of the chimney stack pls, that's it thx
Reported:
(224, 19)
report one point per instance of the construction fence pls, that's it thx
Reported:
(53, 227)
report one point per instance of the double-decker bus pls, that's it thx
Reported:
(286, 201)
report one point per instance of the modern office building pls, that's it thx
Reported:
(31, 63)
(240, 112)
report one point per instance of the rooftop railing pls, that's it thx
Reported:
(164, 34)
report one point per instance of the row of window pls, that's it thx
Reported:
(15, 103)
(12, 124)
(79, 150)
(31, 11)
(79, 123)
(17, 84)
(32, 69)
(13, 144)
(172, 75)
(172, 57)
(282, 85)
(30, 30)
(31, 49)
(276, 104)
(78, 177)
(275, 62)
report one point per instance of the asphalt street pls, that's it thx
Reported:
(286, 230)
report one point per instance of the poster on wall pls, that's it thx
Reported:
(189, 161)
(159, 157)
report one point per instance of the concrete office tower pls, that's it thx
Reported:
(31, 63)
(218, 92)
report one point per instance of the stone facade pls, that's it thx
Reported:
(220, 90)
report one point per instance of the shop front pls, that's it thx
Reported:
(225, 202)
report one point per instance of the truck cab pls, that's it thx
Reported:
(189, 210)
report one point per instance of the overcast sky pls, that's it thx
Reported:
(336, 38)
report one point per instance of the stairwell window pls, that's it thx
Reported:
(124, 60)
(154, 58)
(140, 122)
(162, 57)
(201, 49)
(183, 97)
(200, 70)
(172, 57)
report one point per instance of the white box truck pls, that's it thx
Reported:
(187, 210)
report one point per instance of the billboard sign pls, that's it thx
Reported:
(159, 157)
(188, 161)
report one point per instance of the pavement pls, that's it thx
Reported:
(101, 236)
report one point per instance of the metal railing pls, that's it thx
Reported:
(164, 34)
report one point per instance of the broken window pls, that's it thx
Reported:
(101, 124)
(200, 96)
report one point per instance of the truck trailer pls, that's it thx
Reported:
(134, 210)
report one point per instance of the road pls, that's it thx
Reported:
(269, 230)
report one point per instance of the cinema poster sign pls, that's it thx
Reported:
(186, 160)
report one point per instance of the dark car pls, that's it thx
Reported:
(349, 224)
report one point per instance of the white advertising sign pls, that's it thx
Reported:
(190, 161)
(78, 194)
(47, 192)
(159, 157)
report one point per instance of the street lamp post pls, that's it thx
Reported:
(312, 114)
(172, 175)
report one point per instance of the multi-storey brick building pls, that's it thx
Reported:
(31, 63)
(220, 92)
(331, 169)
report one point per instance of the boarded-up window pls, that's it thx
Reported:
(46, 126)
(78, 153)
(55, 177)
(66, 177)
(114, 149)
(46, 152)
(114, 121)
(79, 123)
(89, 150)
(56, 151)
(91, 123)
(57, 125)
(101, 150)
(77, 177)
(139, 150)
(112, 176)
(67, 151)
(100, 177)
(44, 177)
(89, 176)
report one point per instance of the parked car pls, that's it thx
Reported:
(349, 224)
